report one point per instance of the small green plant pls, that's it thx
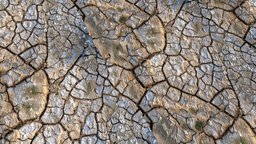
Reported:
(152, 31)
(32, 90)
(115, 73)
(199, 125)
(153, 43)
(121, 32)
(123, 19)
(1, 121)
(219, 1)
(27, 106)
(192, 111)
(2, 71)
(117, 49)
(241, 140)
(120, 9)
(17, 108)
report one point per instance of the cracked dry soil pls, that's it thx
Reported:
(128, 71)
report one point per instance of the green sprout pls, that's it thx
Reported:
(2, 71)
(123, 19)
(241, 140)
(32, 90)
(115, 73)
(27, 106)
(219, 1)
(152, 43)
(152, 31)
(1, 122)
(199, 125)
(118, 48)
(120, 9)
(192, 111)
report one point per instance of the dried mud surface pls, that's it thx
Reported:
(128, 71)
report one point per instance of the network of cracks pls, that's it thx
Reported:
(128, 71)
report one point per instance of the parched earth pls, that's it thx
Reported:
(128, 71)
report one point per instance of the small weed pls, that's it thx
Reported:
(152, 43)
(120, 9)
(192, 111)
(117, 49)
(26, 106)
(17, 108)
(115, 73)
(241, 140)
(14, 65)
(2, 71)
(32, 90)
(121, 32)
(123, 19)
(1, 121)
(199, 125)
(152, 31)
(219, 1)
